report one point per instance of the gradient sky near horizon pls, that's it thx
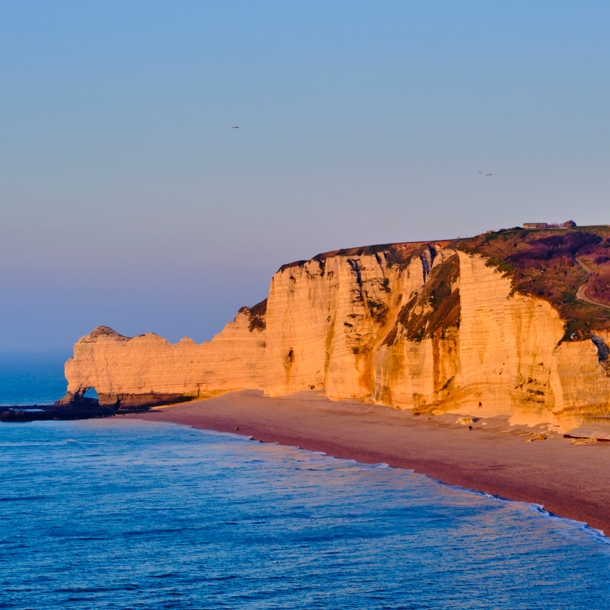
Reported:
(128, 199)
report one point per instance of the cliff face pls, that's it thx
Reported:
(328, 316)
(433, 327)
(149, 370)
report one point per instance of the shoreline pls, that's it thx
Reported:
(493, 457)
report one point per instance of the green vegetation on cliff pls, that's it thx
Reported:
(554, 265)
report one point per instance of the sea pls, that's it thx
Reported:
(128, 514)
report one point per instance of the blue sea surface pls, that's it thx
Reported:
(32, 379)
(116, 513)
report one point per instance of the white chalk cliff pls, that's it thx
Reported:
(414, 326)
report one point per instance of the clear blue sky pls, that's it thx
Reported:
(127, 198)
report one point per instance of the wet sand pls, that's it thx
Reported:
(568, 480)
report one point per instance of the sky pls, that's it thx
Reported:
(128, 199)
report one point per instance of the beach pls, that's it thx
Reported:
(487, 455)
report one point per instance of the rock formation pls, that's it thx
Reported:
(486, 326)
(148, 369)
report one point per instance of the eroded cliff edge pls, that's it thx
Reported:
(485, 326)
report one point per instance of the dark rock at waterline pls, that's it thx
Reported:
(84, 408)
(123, 402)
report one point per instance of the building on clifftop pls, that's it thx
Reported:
(569, 224)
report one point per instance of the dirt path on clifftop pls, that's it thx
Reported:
(581, 294)
(568, 480)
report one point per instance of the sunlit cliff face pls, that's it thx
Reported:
(472, 326)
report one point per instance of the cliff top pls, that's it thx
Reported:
(566, 266)
(399, 253)
(104, 331)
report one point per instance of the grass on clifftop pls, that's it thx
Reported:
(545, 264)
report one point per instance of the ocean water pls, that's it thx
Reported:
(117, 513)
(130, 514)
(32, 379)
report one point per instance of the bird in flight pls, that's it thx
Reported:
(482, 174)
(235, 126)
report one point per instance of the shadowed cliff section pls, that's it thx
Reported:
(494, 324)
(435, 310)
(257, 315)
